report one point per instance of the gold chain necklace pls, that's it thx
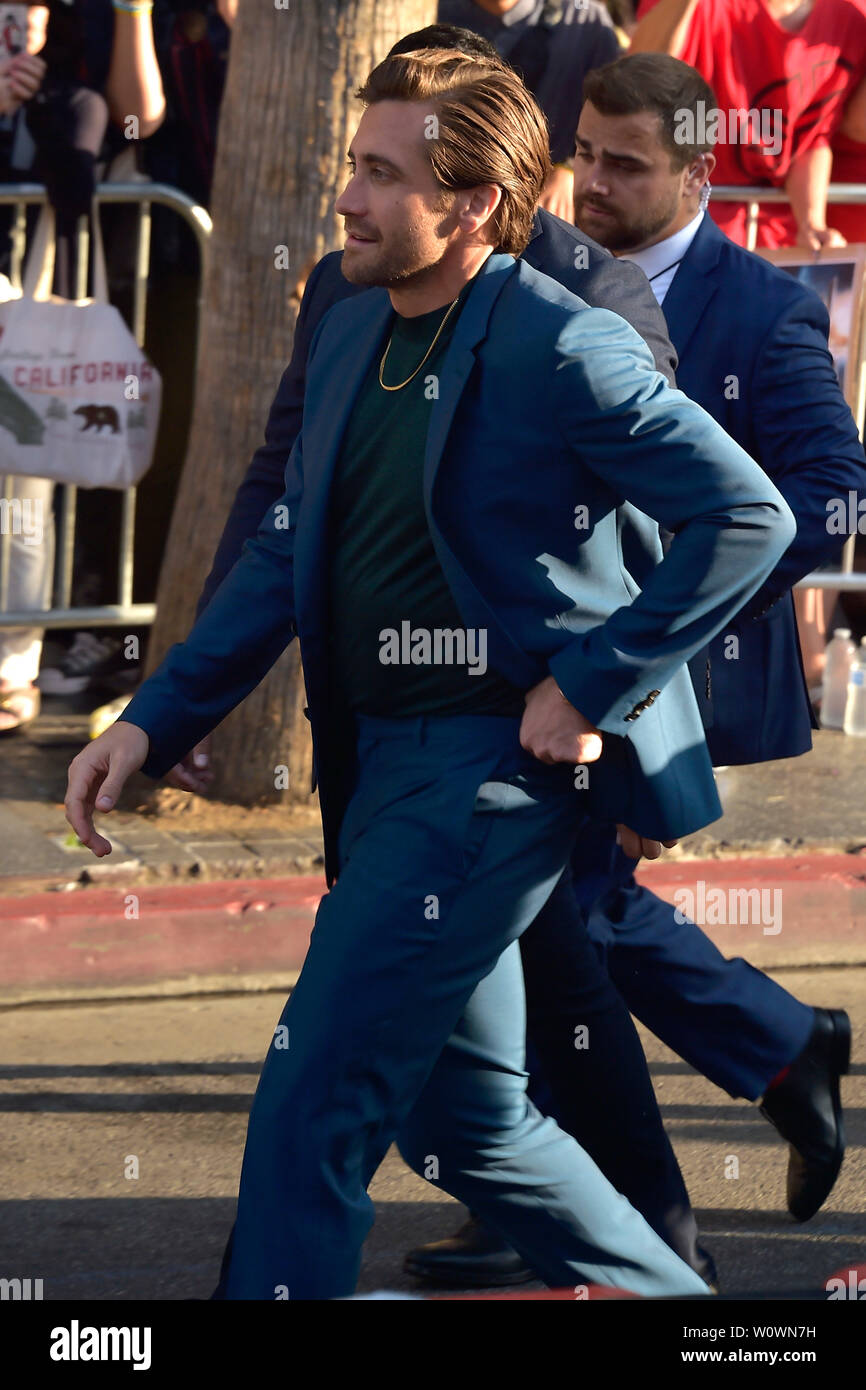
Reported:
(423, 359)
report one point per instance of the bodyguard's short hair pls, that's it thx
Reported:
(656, 82)
(447, 36)
(490, 129)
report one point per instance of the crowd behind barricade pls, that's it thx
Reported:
(788, 82)
(72, 75)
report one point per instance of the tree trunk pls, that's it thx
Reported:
(288, 115)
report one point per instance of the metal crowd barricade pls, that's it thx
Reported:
(845, 579)
(124, 613)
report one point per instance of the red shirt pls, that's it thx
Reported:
(751, 62)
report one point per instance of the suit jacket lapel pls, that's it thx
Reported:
(694, 285)
(471, 330)
(459, 361)
(342, 362)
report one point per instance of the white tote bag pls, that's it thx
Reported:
(79, 400)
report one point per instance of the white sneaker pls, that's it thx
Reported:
(88, 660)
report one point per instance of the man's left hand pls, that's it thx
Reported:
(554, 731)
(636, 846)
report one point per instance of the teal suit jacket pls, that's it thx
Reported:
(551, 430)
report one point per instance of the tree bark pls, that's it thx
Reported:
(288, 115)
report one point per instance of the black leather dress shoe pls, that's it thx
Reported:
(474, 1257)
(806, 1109)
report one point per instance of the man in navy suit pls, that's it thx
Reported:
(752, 347)
(752, 350)
(466, 646)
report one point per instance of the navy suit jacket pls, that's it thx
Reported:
(555, 248)
(752, 347)
(545, 406)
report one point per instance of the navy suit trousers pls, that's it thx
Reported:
(728, 1020)
(408, 1023)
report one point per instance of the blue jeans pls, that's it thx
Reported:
(452, 842)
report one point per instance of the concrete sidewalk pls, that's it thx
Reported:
(816, 803)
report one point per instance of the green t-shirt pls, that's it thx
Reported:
(398, 645)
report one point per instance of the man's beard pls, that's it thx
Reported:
(388, 270)
(403, 261)
(620, 236)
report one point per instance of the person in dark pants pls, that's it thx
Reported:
(448, 802)
(753, 351)
(752, 347)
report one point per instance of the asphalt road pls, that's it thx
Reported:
(88, 1088)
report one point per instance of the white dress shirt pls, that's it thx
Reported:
(660, 262)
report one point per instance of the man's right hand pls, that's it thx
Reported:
(553, 731)
(193, 773)
(97, 776)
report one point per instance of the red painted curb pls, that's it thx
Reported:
(117, 936)
(763, 905)
(120, 936)
(785, 867)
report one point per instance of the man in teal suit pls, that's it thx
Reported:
(482, 671)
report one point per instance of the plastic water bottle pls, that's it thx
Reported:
(855, 706)
(834, 686)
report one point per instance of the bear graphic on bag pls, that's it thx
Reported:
(96, 416)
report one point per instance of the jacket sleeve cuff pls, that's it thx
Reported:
(611, 694)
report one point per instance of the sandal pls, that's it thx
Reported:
(23, 704)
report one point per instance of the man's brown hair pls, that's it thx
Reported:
(490, 130)
(659, 83)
